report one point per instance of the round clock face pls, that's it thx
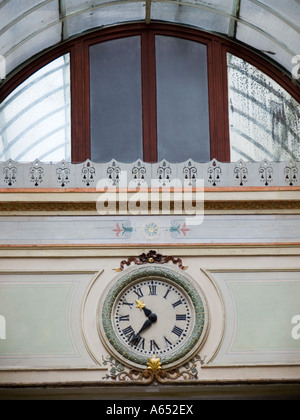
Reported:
(153, 311)
(153, 316)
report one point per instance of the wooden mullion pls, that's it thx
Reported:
(149, 97)
(80, 103)
(218, 102)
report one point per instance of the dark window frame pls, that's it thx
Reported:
(217, 49)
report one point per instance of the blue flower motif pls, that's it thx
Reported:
(151, 230)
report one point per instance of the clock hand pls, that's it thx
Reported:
(147, 312)
(145, 326)
(152, 318)
(135, 337)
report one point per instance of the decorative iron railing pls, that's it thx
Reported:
(140, 174)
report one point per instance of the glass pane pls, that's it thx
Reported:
(179, 12)
(272, 23)
(35, 117)
(26, 28)
(267, 31)
(116, 100)
(262, 42)
(25, 23)
(289, 10)
(264, 118)
(101, 13)
(182, 100)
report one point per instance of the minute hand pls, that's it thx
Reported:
(145, 326)
(152, 318)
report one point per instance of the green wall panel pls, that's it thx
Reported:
(260, 308)
(36, 319)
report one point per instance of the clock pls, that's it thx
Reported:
(153, 311)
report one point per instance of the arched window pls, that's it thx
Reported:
(35, 117)
(149, 92)
(264, 117)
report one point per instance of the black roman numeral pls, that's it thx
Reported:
(124, 318)
(179, 302)
(140, 343)
(152, 289)
(180, 317)
(153, 345)
(168, 291)
(168, 343)
(124, 302)
(178, 331)
(138, 292)
(128, 332)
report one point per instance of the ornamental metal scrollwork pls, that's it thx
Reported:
(63, 174)
(164, 172)
(241, 172)
(214, 172)
(88, 174)
(139, 173)
(190, 172)
(291, 172)
(266, 172)
(36, 173)
(113, 173)
(10, 172)
(154, 371)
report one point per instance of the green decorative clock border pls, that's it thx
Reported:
(139, 274)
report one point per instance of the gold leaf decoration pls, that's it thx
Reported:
(154, 364)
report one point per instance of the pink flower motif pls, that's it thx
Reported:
(184, 229)
(117, 230)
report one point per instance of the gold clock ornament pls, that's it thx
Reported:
(153, 311)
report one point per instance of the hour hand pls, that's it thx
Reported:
(147, 312)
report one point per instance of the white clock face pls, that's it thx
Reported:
(149, 311)
(153, 317)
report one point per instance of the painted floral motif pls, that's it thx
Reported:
(178, 229)
(191, 368)
(125, 231)
(116, 368)
(151, 230)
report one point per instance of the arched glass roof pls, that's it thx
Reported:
(29, 27)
